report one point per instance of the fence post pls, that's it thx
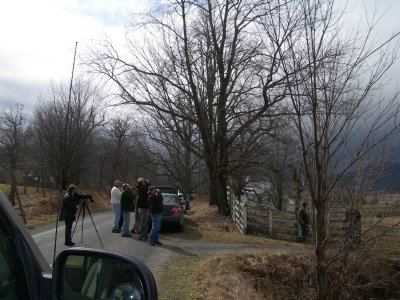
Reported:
(244, 217)
(270, 221)
(328, 224)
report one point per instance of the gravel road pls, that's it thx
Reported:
(95, 231)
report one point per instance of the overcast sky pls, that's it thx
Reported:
(38, 37)
(38, 40)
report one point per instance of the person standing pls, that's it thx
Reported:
(142, 207)
(70, 200)
(304, 221)
(156, 209)
(116, 204)
(127, 198)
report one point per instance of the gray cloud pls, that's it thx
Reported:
(12, 92)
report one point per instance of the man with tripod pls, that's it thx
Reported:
(70, 201)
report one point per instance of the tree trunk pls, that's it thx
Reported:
(279, 193)
(320, 252)
(218, 194)
(187, 177)
(12, 194)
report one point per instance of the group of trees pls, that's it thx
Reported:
(238, 89)
(74, 139)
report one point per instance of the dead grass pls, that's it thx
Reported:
(183, 283)
(269, 275)
(191, 275)
(289, 276)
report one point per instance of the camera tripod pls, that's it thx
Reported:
(82, 212)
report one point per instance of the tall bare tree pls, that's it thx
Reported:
(12, 140)
(340, 117)
(202, 62)
(52, 129)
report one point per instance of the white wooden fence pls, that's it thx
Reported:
(264, 220)
(239, 212)
(260, 219)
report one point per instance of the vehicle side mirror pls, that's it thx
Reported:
(80, 273)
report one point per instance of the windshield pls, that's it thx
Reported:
(170, 199)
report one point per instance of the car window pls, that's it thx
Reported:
(88, 277)
(170, 199)
(12, 278)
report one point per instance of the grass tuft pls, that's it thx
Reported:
(177, 278)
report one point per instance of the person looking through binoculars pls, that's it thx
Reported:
(68, 211)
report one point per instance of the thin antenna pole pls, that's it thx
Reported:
(66, 123)
(63, 150)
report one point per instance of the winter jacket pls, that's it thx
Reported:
(303, 217)
(115, 195)
(156, 205)
(127, 198)
(69, 206)
(142, 200)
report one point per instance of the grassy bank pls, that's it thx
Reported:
(41, 206)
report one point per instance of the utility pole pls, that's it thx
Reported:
(62, 153)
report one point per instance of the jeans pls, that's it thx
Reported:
(143, 215)
(155, 227)
(121, 220)
(68, 228)
(117, 211)
(126, 215)
(304, 231)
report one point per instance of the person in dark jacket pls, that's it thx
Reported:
(142, 207)
(304, 221)
(127, 198)
(70, 200)
(156, 208)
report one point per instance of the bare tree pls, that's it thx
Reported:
(52, 129)
(121, 145)
(12, 140)
(204, 65)
(339, 115)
